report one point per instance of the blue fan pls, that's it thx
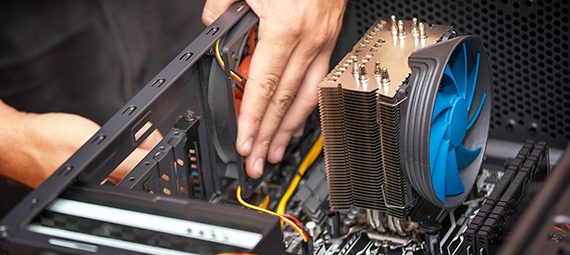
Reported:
(450, 123)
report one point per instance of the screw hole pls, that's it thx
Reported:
(528, 3)
(533, 128)
(511, 125)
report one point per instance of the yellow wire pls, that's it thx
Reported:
(265, 203)
(237, 77)
(218, 53)
(241, 7)
(283, 218)
(307, 162)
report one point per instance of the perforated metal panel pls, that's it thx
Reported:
(528, 47)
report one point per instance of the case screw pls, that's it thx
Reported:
(189, 116)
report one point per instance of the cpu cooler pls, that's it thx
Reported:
(405, 113)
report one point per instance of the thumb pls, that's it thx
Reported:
(213, 9)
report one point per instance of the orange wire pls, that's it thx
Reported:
(252, 40)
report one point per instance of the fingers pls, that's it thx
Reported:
(287, 94)
(277, 108)
(213, 9)
(301, 108)
(266, 68)
(299, 131)
(263, 104)
(291, 36)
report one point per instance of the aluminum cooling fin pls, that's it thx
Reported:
(406, 108)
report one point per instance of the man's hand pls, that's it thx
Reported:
(295, 42)
(33, 146)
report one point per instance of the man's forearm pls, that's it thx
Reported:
(15, 160)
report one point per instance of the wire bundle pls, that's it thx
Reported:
(289, 219)
(308, 161)
(234, 75)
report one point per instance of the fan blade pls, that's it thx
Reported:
(472, 120)
(438, 129)
(466, 156)
(449, 94)
(438, 171)
(471, 83)
(441, 103)
(459, 69)
(453, 183)
(448, 81)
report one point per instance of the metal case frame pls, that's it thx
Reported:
(192, 89)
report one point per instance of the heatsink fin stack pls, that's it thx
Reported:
(331, 102)
(361, 118)
(369, 150)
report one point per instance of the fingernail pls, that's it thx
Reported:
(258, 166)
(247, 145)
(279, 152)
